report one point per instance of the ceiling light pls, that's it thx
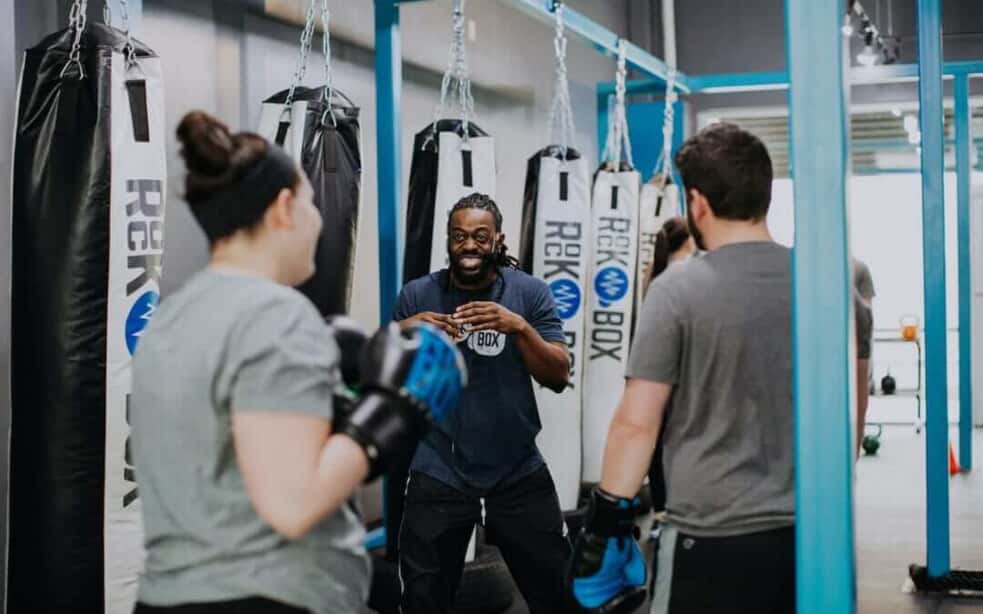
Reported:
(847, 28)
(896, 112)
(910, 123)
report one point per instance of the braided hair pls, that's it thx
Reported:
(483, 202)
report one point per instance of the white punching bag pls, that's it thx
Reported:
(558, 211)
(656, 205)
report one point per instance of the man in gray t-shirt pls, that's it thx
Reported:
(713, 356)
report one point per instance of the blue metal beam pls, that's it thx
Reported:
(963, 142)
(778, 80)
(389, 83)
(933, 248)
(825, 568)
(602, 39)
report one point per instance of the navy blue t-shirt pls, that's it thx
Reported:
(491, 437)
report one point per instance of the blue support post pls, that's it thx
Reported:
(389, 177)
(825, 567)
(933, 248)
(964, 138)
(389, 82)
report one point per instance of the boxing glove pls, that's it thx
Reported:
(410, 379)
(351, 338)
(607, 570)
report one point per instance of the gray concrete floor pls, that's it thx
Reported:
(890, 525)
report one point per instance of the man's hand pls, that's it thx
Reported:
(485, 315)
(442, 321)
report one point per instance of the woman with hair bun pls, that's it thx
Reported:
(244, 463)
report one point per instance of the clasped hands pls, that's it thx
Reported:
(472, 317)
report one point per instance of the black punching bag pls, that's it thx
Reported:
(324, 138)
(87, 239)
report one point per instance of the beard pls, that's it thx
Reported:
(694, 231)
(471, 276)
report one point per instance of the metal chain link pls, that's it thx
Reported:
(326, 49)
(76, 22)
(617, 118)
(306, 38)
(456, 76)
(663, 166)
(561, 127)
(128, 50)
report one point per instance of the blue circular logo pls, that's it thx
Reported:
(610, 284)
(139, 317)
(566, 294)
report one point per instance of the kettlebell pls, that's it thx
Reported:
(872, 443)
(888, 385)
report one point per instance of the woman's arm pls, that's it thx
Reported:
(296, 472)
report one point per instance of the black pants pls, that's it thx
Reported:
(524, 520)
(744, 574)
(251, 605)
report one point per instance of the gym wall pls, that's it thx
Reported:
(226, 58)
(223, 58)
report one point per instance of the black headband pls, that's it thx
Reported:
(242, 204)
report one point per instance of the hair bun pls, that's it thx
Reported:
(207, 145)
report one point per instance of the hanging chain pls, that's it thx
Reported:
(306, 38)
(327, 92)
(128, 50)
(76, 22)
(617, 118)
(326, 49)
(561, 126)
(457, 76)
(663, 166)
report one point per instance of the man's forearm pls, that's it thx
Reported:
(627, 457)
(548, 363)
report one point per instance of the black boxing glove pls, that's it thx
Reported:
(351, 338)
(410, 379)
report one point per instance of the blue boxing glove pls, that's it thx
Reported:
(409, 379)
(607, 571)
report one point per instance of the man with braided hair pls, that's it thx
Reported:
(482, 465)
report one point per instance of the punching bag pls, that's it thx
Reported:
(655, 207)
(445, 168)
(555, 243)
(88, 219)
(614, 251)
(325, 139)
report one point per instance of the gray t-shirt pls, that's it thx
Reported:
(863, 293)
(223, 343)
(719, 329)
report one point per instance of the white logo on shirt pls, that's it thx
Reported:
(486, 342)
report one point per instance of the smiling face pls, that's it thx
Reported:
(472, 243)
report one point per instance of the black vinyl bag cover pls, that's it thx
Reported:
(332, 159)
(60, 277)
(423, 196)
(527, 232)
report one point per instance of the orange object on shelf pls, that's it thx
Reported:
(909, 328)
